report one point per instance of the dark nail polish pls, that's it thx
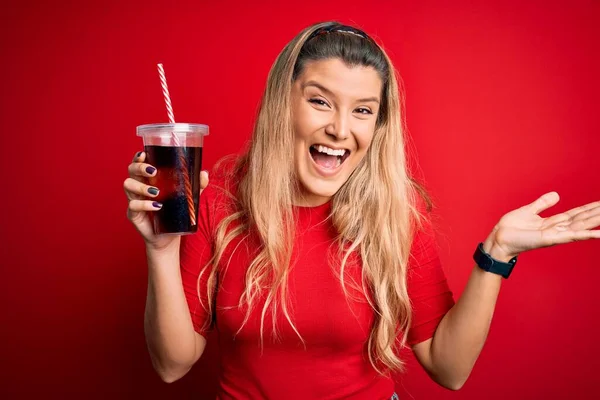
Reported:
(153, 191)
(156, 204)
(150, 170)
(138, 154)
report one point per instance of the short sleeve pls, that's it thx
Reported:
(428, 288)
(195, 252)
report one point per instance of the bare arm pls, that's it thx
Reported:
(173, 343)
(450, 355)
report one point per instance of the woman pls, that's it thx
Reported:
(314, 257)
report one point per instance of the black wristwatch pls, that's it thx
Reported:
(487, 263)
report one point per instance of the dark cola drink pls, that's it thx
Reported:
(179, 192)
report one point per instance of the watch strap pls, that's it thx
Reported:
(489, 264)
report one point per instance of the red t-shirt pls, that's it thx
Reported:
(334, 363)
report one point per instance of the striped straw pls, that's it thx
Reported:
(165, 89)
(184, 166)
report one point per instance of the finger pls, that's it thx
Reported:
(203, 179)
(561, 218)
(141, 169)
(140, 156)
(585, 222)
(544, 202)
(576, 236)
(130, 195)
(586, 211)
(144, 205)
(137, 189)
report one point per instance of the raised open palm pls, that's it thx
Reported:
(523, 229)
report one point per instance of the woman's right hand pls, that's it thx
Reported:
(140, 197)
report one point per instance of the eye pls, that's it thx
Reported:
(319, 102)
(363, 110)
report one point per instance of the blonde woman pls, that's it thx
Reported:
(315, 260)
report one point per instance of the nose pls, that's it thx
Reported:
(339, 126)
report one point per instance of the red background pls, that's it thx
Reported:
(502, 103)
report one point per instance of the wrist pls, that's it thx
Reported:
(163, 251)
(495, 250)
(491, 257)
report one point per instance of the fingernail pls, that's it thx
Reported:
(138, 154)
(153, 190)
(150, 170)
(156, 204)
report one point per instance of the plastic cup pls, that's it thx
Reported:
(178, 164)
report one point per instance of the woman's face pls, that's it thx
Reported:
(334, 109)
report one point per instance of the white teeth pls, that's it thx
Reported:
(331, 152)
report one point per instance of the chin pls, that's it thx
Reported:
(320, 189)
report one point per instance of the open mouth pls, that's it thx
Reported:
(328, 158)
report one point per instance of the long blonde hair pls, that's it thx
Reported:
(374, 211)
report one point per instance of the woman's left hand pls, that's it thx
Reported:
(523, 229)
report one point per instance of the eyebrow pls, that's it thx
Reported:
(329, 92)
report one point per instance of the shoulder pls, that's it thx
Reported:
(422, 213)
(424, 244)
(220, 196)
(225, 173)
(227, 168)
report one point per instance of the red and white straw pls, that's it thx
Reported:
(177, 143)
(165, 89)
